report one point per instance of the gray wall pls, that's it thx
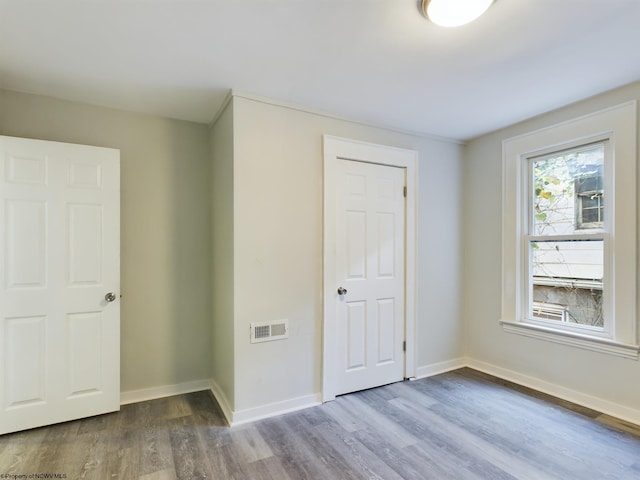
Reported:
(222, 294)
(594, 374)
(165, 229)
(278, 221)
(218, 222)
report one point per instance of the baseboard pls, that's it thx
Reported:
(233, 418)
(142, 395)
(223, 401)
(440, 367)
(604, 406)
(273, 409)
(278, 408)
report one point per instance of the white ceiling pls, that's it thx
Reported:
(376, 61)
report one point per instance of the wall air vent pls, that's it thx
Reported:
(268, 331)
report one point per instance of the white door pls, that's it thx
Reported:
(59, 282)
(370, 220)
(370, 251)
(370, 228)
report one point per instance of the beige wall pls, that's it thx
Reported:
(598, 375)
(222, 295)
(278, 195)
(165, 229)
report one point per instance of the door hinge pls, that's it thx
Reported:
(404, 191)
(404, 346)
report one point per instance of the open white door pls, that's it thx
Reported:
(59, 282)
(369, 273)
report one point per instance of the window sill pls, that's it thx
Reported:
(586, 342)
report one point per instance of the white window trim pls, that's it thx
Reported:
(618, 125)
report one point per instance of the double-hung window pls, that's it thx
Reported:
(565, 262)
(569, 233)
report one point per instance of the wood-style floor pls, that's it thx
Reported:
(458, 425)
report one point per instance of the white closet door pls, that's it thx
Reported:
(370, 251)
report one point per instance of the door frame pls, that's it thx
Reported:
(335, 149)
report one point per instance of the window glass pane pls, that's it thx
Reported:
(567, 281)
(568, 192)
(591, 214)
(590, 202)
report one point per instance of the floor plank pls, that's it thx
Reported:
(461, 425)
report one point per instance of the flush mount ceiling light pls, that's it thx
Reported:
(453, 13)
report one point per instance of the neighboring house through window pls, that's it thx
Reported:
(589, 199)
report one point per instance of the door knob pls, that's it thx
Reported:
(342, 291)
(110, 297)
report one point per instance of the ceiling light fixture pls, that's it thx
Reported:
(453, 13)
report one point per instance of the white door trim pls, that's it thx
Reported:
(336, 148)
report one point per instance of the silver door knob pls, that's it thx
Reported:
(110, 297)
(342, 291)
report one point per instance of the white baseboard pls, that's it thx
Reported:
(233, 418)
(223, 401)
(273, 409)
(142, 395)
(440, 367)
(604, 406)
(278, 408)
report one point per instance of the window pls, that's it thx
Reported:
(569, 255)
(566, 261)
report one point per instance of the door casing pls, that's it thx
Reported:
(336, 148)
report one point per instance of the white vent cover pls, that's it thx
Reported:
(267, 331)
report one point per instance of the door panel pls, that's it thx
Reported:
(356, 320)
(386, 245)
(356, 248)
(26, 244)
(26, 170)
(370, 265)
(25, 374)
(386, 330)
(85, 352)
(59, 251)
(85, 244)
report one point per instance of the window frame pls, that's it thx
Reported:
(615, 126)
